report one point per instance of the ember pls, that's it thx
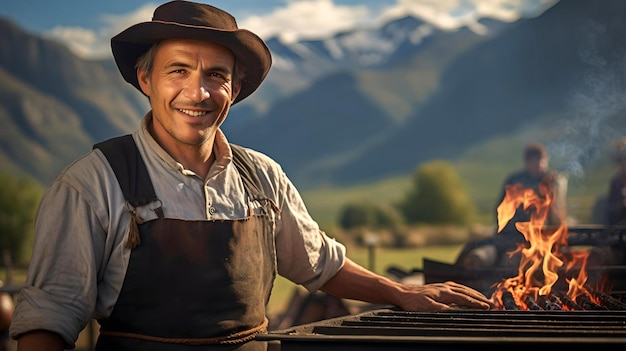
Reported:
(545, 261)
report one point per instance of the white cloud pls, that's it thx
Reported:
(452, 14)
(89, 43)
(317, 19)
(306, 19)
(83, 42)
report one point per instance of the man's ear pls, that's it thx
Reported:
(144, 81)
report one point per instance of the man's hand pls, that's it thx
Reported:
(440, 296)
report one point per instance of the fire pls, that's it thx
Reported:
(543, 257)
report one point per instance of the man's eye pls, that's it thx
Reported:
(178, 71)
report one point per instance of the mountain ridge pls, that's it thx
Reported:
(501, 85)
(329, 124)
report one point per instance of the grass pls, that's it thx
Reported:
(483, 169)
(325, 204)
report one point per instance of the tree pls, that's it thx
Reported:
(364, 214)
(18, 203)
(355, 216)
(438, 196)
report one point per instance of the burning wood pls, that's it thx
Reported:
(532, 304)
(546, 264)
(569, 303)
(587, 304)
(509, 302)
(553, 303)
(610, 302)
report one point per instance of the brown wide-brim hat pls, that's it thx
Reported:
(189, 20)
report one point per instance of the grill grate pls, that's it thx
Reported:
(388, 329)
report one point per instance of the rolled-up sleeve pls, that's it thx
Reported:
(79, 258)
(61, 288)
(305, 254)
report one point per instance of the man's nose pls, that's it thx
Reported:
(197, 89)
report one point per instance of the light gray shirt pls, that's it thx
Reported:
(79, 256)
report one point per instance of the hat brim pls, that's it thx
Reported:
(249, 50)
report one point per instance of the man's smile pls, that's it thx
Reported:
(193, 113)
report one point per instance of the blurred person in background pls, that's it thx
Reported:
(616, 198)
(493, 251)
(6, 315)
(610, 210)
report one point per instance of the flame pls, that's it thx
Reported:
(542, 257)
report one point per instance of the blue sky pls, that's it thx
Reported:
(87, 25)
(43, 15)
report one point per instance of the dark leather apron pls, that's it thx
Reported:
(193, 280)
(194, 285)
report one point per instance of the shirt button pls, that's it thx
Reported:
(212, 210)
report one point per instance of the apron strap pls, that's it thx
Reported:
(247, 170)
(129, 168)
(132, 174)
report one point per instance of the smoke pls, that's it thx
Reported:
(600, 99)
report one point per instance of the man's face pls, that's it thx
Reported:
(190, 90)
(536, 165)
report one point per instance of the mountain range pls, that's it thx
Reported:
(361, 106)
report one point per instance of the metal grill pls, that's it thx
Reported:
(596, 327)
(389, 329)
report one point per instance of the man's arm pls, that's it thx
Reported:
(40, 340)
(357, 283)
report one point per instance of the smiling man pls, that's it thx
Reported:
(171, 237)
(190, 85)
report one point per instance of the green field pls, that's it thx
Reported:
(483, 170)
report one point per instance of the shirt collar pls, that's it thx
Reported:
(221, 148)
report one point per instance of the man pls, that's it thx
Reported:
(494, 251)
(6, 314)
(536, 172)
(616, 200)
(189, 262)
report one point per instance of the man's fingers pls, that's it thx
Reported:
(465, 290)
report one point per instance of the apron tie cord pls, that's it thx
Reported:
(235, 338)
(133, 231)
